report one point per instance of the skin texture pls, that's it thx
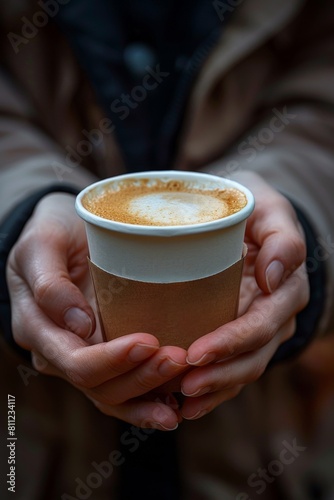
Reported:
(54, 316)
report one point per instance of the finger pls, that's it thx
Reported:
(80, 363)
(43, 365)
(243, 369)
(256, 327)
(209, 386)
(194, 408)
(166, 364)
(48, 275)
(143, 414)
(162, 413)
(274, 227)
(89, 366)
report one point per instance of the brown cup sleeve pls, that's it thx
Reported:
(176, 313)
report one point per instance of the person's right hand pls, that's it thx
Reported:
(52, 307)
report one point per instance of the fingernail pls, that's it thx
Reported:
(140, 352)
(159, 425)
(168, 367)
(198, 392)
(196, 415)
(78, 322)
(274, 275)
(208, 357)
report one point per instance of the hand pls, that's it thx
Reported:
(53, 316)
(274, 289)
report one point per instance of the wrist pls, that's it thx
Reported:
(308, 319)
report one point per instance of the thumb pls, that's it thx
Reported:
(280, 255)
(61, 300)
(64, 303)
(42, 262)
(275, 230)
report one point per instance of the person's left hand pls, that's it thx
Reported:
(274, 289)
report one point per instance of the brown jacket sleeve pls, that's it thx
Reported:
(291, 143)
(29, 159)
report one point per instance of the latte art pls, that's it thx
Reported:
(159, 203)
(177, 209)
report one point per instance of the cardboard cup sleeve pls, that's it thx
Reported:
(176, 313)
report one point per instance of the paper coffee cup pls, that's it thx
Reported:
(176, 282)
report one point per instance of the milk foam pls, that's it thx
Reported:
(180, 208)
(159, 203)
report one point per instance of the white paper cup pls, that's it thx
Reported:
(175, 282)
(165, 254)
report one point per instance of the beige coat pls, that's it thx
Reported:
(264, 100)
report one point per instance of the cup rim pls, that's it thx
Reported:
(138, 229)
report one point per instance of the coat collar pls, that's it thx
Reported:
(211, 125)
(253, 22)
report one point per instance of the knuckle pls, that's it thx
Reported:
(112, 399)
(298, 247)
(39, 363)
(114, 366)
(105, 399)
(49, 289)
(301, 288)
(43, 289)
(19, 331)
(289, 330)
(235, 339)
(257, 370)
(17, 252)
(16, 328)
(142, 383)
(264, 334)
(236, 390)
(75, 373)
(76, 378)
(12, 257)
(225, 394)
(223, 378)
(22, 247)
(103, 408)
(267, 333)
(233, 392)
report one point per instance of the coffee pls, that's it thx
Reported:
(151, 202)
